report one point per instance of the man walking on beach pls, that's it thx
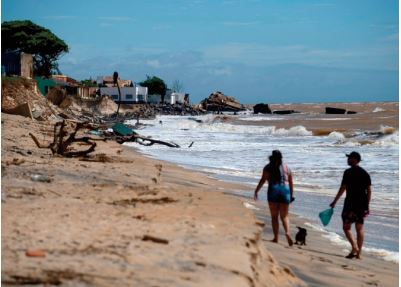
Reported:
(356, 181)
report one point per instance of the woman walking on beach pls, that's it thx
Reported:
(280, 193)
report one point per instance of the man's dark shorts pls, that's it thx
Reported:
(350, 217)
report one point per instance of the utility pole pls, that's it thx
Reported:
(115, 80)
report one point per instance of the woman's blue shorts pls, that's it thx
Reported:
(279, 193)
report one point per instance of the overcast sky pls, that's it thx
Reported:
(256, 50)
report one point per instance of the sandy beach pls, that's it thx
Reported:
(118, 218)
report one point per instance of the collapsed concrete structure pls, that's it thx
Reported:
(218, 102)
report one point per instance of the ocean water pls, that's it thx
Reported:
(236, 152)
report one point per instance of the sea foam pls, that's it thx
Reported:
(337, 136)
(343, 243)
(377, 110)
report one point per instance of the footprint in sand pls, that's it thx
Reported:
(325, 260)
(346, 267)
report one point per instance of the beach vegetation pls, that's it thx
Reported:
(89, 83)
(155, 85)
(25, 36)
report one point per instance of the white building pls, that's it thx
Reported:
(129, 95)
(171, 98)
(179, 98)
(174, 98)
(141, 94)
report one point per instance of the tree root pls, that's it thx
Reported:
(62, 145)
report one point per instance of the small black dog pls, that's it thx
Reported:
(301, 236)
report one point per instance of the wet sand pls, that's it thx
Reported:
(370, 117)
(319, 262)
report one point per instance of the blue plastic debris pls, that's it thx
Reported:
(122, 130)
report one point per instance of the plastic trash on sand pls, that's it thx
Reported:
(122, 130)
(325, 216)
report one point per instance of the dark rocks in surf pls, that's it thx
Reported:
(338, 111)
(284, 112)
(335, 111)
(261, 109)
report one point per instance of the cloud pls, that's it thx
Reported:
(153, 63)
(261, 55)
(225, 71)
(246, 81)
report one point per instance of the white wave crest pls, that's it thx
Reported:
(388, 140)
(337, 136)
(377, 110)
(294, 131)
(385, 254)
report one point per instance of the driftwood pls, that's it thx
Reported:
(144, 141)
(61, 144)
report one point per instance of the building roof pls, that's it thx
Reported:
(109, 82)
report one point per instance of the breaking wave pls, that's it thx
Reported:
(377, 110)
(388, 136)
(388, 140)
(339, 137)
(386, 130)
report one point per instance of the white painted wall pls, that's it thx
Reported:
(141, 93)
(128, 94)
(179, 97)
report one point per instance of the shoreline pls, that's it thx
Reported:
(211, 237)
(320, 262)
(332, 238)
(119, 218)
(245, 190)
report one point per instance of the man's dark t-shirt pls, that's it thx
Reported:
(356, 181)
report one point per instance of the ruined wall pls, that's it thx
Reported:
(26, 65)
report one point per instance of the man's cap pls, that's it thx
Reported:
(355, 155)
(276, 154)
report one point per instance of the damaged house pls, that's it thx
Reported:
(17, 64)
